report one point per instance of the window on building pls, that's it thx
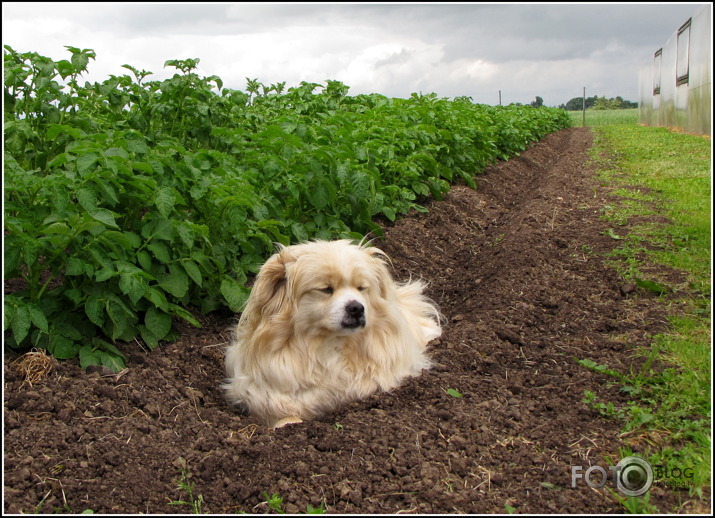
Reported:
(656, 71)
(682, 65)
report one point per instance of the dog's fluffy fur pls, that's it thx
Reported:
(326, 324)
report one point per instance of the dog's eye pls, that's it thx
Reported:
(362, 288)
(329, 290)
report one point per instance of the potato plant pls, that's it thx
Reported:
(129, 201)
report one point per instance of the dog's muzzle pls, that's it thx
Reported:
(354, 315)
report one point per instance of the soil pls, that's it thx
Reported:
(519, 269)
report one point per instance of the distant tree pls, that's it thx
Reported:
(598, 103)
(577, 103)
(538, 103)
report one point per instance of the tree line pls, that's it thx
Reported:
(599, 103)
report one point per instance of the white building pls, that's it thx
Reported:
(676, 84)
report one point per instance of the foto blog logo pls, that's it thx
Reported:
(632, 476)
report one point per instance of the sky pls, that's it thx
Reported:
(451, 49)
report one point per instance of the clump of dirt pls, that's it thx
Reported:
(517, 267)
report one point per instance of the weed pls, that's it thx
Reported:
(635, 504)
(453, 392)
(185, 485)
(275, 503)
(604, 409)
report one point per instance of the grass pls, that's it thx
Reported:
(666, 174)
(604, 117)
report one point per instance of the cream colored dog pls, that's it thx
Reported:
(325, 325)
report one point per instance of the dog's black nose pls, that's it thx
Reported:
(354, 308)
(354, 315)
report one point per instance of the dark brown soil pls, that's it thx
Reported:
(519, 271)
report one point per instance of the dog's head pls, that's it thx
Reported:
(323, 287)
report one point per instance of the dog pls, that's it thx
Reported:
(325, 325)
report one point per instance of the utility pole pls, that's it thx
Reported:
(584, 107)
(499, 97)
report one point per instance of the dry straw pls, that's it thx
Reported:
(34, 365)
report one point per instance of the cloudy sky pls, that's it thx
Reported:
(472, 49)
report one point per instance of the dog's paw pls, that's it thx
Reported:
(286, 421)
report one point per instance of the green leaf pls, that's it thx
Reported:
(58, 227)
(20, 323)
(86, 161)
(104, 216)
(9, 311)
(123, 239)
(88, 356)
(11, 260)
(651, 286)
(76, 266)
(150, 339)
(80, 58)
(182, 313)
(62, 347)
(143, 167)
(319, 196)
(55, 130)
(389, 213)
(94, 309)
(144, 260)
(454, 393)
(137, 146)
(67, 329)
(65, 68)
(87, 199)
(104, 274)
(160, 251)
(165, 200)
(234, 293)
(38, 317)
(610, 233)
(299, 232)
(589, 364)
(157, 298)
(111, 361)
(131, 286)
(193, 271)
(175, 282)
(133, 239)
(103, 345)
(118, 317)
(158, 322)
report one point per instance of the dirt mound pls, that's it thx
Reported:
(517, 269)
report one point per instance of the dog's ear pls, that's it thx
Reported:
(381, 260)
(269, 293)
(377, 254)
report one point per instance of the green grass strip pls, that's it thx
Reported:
(668, 175)
(604, 117)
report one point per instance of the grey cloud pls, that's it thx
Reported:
(397, 58)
